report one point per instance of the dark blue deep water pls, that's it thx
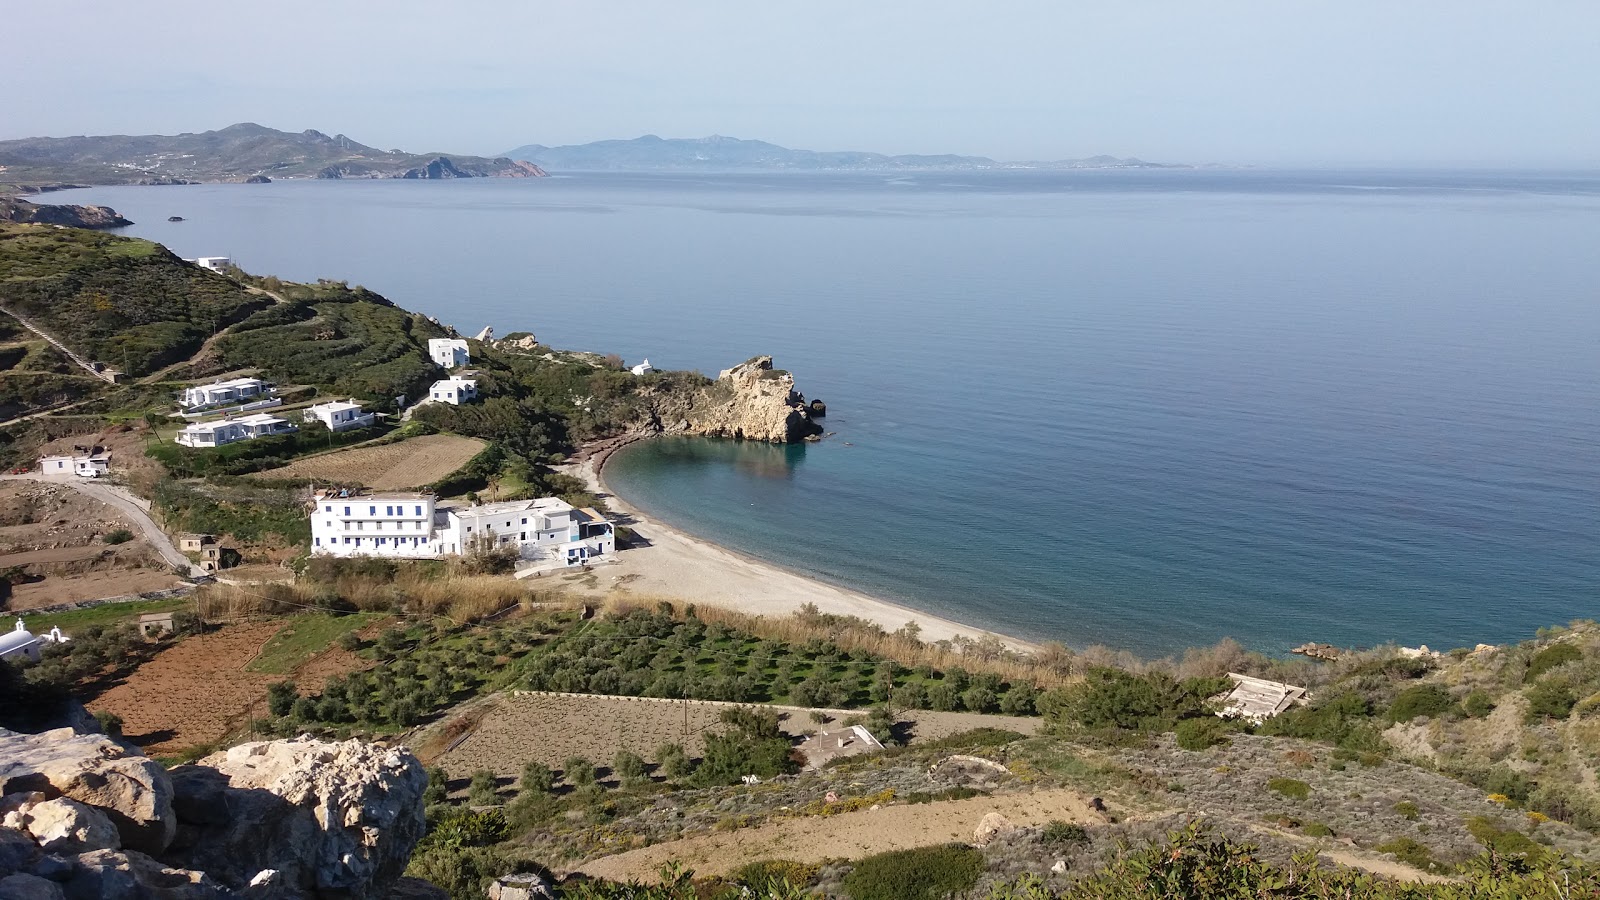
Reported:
(1148, 409)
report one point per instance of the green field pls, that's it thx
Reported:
(304, 637)
(105, 614)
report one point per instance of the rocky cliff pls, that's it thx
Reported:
(751, 401)
(12, 210)
(83, 816)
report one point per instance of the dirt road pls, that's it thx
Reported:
(135, 508)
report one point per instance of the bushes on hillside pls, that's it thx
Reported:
(1113, 698)
(925, 873)
(752, 744)
(1420, 700)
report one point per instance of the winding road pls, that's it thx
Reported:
(135, 508)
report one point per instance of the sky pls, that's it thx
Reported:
(1473, 83)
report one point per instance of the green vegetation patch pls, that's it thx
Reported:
(925, 873)
(126, 302)
(305, 636)
(1293, 788)
(106, 614)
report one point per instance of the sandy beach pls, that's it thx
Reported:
(676, 566)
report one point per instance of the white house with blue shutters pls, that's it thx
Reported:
(408, 525)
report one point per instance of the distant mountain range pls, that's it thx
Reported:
(718, 153)
(237, 153)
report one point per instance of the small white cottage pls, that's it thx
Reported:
(454, 390)
(643, 368)
(84, 465)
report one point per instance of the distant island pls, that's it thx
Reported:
(719, 153)
(245, 152)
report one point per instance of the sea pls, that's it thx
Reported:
(1141, 408)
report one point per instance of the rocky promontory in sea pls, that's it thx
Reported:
(82, 815)
(751, 401)
(13, 210)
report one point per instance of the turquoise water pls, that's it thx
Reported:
(1148, 409)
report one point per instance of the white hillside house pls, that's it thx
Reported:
(221, 393)
(214, 263)
(412, 526)
(643, 368)
(19, 644)
(84, 465)
(227, 431)
(448, 352)
(454, 390)
(340, 415)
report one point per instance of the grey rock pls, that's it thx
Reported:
(133, 791)
(67, 826)
(526, 886)
(129, 873)
(18, 852)
(29, 887)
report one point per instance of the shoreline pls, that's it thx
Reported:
(678, 566)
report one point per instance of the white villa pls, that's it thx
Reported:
(214, 263)
(448, 352)
(411, 526)
(87, 465)
(228, 431)
(340, 415)
(19, 643)
(643, 368)
(454, 390)
(218, 393)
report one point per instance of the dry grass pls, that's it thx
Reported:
(405, 464)
(411, 592)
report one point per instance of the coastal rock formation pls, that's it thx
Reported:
(751, 401)
(13, 210)
(329, 818)
(82, 816)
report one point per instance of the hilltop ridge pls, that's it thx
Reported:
(244, 151)
(718, 152)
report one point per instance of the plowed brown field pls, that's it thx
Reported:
(388, 467)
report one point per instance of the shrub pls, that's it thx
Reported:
(537, 778)
(1317, 829)
(577, 771)
(118, 536)
(925, 873)
(1505, 842)
(460, 827)
(1060, 834)
(1412, 854)
(1477, 704)
(1293, 788)
(1407, 810)
(1551, 657)
(674, 761)
(483, 790)
(1420, 700)
(1549, 699)
(1201, 733)
(438, 789)
(110, 723)
(628, 765)
(281, 696)
(771, 876)
(753, 745)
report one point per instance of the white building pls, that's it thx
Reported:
(411, 526)
(19, 643)
(228, 431)
(214, 263)
(219, 393)
(454, 390)
(340, 415)
(448, 352)
(87, 465)
(643, 368)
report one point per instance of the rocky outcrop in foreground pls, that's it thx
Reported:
(83, 816)
(751, 401)
(12, 210)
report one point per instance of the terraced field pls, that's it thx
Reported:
(406, 464)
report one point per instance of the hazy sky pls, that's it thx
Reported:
(1274, 82)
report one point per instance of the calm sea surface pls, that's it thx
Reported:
(1148, 409)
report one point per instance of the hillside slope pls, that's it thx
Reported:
(233, 153)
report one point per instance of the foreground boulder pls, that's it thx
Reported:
(83, 817)
(132, 791)
(331, 819)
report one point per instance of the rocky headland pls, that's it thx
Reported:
(82, 815)
(14, 210)
(751, 401)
